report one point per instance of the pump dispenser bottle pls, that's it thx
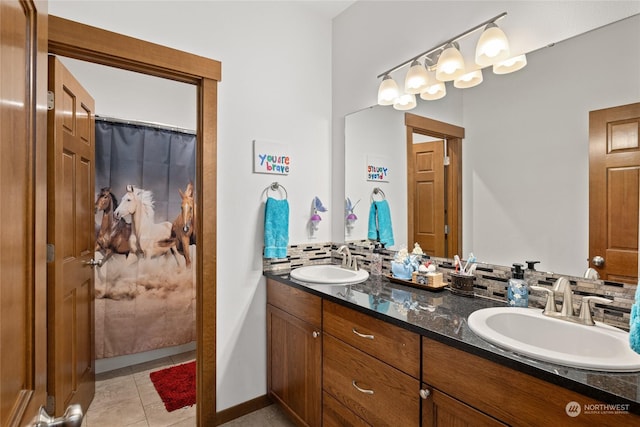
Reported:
(517, 289)
(376, 260)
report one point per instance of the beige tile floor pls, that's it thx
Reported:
(127, 398)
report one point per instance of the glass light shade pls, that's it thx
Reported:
(468, 80)
(416, 78)
(404, 102)
(492, 46)
(450, 64)
(434, 90)
(510, 65)
(388, 91)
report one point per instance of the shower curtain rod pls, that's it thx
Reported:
(147, 124)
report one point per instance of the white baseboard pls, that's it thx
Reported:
(118, 362)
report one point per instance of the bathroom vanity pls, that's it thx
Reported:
(380, 353)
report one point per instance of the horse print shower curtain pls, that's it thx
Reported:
(145, 236)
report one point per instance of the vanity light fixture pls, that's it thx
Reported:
(416, 79)
(388, 91)
(474, 78)
(450, 64)
(510, 65)
(405, 102)
(445, 62)
(492, 46)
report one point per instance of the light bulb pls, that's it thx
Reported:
(388, 91)
(492, 46)
(450, 64)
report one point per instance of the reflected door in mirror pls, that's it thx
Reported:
(614, 192)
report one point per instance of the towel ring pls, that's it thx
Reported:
(379, 192)
(275, 187)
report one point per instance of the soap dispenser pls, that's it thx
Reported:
(517, 289)
(376, 259)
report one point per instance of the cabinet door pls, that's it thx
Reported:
(294, 357)
(441, 410)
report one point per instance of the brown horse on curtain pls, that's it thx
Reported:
(183, 230)
(113, 235)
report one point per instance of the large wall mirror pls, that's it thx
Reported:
(525, 167)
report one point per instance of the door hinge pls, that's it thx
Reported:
(446, 229)
(51, 250)
(51, 99)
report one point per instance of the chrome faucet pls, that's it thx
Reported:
(348, 261)
(563, 286)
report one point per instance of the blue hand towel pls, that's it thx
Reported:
(380, 223)
(634, 323)
(276, 228)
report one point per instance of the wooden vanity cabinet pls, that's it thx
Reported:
(370, 370)
(294, 352)
(470, 390)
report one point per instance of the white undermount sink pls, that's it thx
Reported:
(329, 274)
(528, 332)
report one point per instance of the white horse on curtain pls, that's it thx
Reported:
(149, 238)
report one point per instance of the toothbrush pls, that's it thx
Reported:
(457, 263)
(472, 269)
(470, 260)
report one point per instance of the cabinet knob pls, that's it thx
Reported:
(316, 334)
(425, 393)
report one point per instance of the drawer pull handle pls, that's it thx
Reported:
(316, 334)
(361, 390)
(425, 393)
(361, 335)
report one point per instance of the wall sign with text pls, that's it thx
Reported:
(377, 169)
(271, 157)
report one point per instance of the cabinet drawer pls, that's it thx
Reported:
(373, 390)
(335, 414)
(299, 303)
(389, 343)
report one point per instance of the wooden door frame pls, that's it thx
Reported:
(454, 136)
(86, 43)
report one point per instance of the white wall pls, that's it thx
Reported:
(276, 85)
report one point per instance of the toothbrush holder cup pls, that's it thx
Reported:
(461, 284)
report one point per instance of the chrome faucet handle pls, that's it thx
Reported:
(354, 262)
(550, 305)
(585, 308)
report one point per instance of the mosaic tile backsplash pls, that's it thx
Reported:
(490, 280)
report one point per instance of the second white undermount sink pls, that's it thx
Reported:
(329, 274)
(528, 332)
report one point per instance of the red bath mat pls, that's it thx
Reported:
(176, 385)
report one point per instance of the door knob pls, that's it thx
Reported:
(93, 262)
(598, 261)
(72, 417)
(425, 393)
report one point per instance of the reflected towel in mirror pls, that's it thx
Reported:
(276, 228)
(380, 223)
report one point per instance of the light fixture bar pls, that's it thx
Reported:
(442, 45)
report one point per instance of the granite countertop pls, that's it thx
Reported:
(442, 316)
